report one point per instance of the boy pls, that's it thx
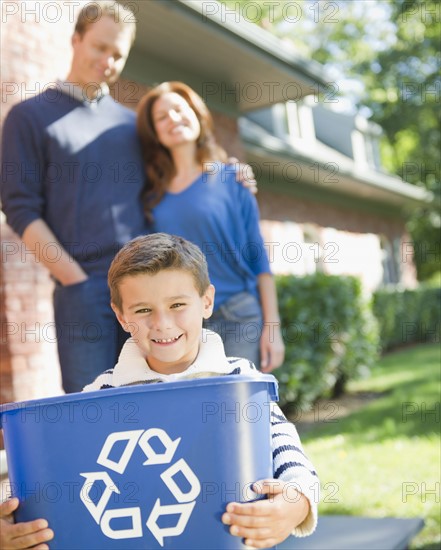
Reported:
(161, 293)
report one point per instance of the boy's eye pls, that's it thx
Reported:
(177, 305)
(143, 310)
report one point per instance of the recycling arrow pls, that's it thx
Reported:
(96, 510)
(134, 532)
(184, 495)
(184, 511)
(132, 437)
(152, 456)
(187, 472)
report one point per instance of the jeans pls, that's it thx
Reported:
(89, 337)
(238, 321)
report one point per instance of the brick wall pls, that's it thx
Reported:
(342, 225)
(29, 357)
(35, 52)
(227, 134)
(35, 44)
(276, 206)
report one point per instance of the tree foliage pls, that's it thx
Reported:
(385, 59)
(405, 100)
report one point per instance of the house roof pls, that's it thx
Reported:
(324, 168)
(229, 58)
(236, 66)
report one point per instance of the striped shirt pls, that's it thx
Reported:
(290, 463)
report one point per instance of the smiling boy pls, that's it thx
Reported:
(161, 294)
(162, 305)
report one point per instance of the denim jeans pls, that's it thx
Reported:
(89, 337)
(238, 321)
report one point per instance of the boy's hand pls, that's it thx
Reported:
(265, 523)
(14, 536)
(244, 174)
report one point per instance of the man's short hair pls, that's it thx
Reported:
(93, 11)
(153, 253)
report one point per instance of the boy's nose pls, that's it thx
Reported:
(160, 321)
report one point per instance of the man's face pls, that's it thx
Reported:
(100, 54)
(164, 313)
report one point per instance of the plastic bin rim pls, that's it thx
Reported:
(269, 379)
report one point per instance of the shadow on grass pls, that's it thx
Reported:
(408, 407)
(384, 419)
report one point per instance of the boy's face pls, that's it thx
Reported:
(164, 314)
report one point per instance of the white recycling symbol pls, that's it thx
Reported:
(185, 500)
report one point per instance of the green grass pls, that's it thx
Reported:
(385, 459)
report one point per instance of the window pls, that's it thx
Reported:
(391, 274)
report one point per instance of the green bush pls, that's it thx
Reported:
(407, 316)
(330, 335)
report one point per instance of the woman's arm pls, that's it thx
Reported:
(272, 348)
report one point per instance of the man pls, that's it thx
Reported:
(71, 184)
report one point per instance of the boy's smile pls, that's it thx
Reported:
(164, 313)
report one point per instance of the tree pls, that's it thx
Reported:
(403, 90)
(385, 60)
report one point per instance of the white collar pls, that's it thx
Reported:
(133, 368)
(75, 91)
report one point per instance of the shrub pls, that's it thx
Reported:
(407, 316)
(330, 335)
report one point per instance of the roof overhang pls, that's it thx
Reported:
(317, 165)
(235, 60)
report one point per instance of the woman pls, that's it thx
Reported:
(193, 193)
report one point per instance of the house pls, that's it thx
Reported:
(324, 201)
(330, 205)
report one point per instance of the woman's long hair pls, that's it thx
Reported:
(158, 162)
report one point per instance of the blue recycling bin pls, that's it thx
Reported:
(141, 467)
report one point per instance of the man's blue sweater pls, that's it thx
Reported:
(76, 165)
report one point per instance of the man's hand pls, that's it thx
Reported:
(30, 534)
(65, 270)
(244, 174)
(265, 523)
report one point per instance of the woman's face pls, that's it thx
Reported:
(175, 121)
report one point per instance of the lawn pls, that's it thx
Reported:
(385, 458)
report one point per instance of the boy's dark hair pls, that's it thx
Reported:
(93, 11)
(153, 253)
